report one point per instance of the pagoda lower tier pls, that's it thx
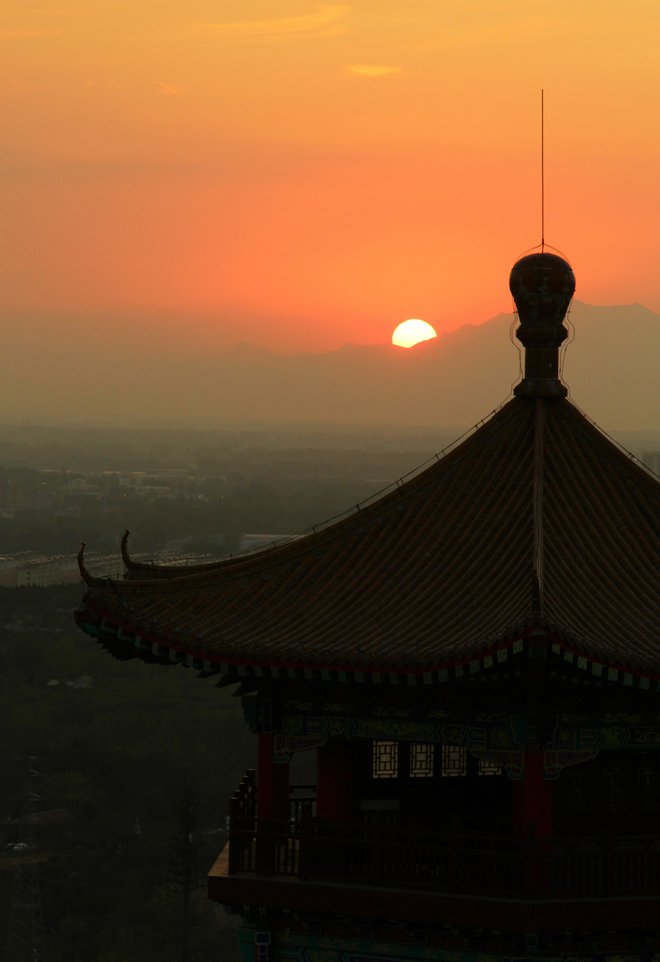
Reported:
(427, 855)
(469, 822)
(314, 891)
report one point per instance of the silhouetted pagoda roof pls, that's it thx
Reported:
(535, 525)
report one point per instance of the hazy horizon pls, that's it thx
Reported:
(610, 365)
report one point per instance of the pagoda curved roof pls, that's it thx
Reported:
(536, 521)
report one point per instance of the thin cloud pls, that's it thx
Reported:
(372, 70)
(324, 21)
(170, 90)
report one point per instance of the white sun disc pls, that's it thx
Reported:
(411, 332)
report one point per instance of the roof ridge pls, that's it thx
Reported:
(537, 506)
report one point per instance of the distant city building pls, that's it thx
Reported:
(27, 570)
(20, 571)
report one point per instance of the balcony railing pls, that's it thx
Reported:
(458, 862)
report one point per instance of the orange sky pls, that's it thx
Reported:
(300, 174)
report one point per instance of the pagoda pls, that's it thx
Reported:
(455, 691)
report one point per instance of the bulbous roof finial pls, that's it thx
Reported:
(542, 285)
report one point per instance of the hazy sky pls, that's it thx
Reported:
(300, 174)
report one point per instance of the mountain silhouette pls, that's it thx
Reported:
(611, 368)
(610, 365)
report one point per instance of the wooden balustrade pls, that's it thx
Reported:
(453, 861)
(242, 810)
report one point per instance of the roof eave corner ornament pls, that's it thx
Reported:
(84, 573)
(125, 557)
(542, 286)
(90, 580)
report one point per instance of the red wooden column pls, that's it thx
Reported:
(533, 800)
(272, 783)
(335, 790)
(533, 823)
(272, 806)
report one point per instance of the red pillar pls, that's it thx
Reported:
(272, 783)
(533, 813)
(335, 791)
(272, 808)
(533, 798)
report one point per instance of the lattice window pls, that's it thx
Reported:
(421, 760)
(648, 794)
(385, 760)
(262, 940)
(454, 760)
(487, 767)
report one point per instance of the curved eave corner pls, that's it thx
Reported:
(138, 570)
(92, 581)
(128, 562)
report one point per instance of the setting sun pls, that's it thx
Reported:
(412, 332)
